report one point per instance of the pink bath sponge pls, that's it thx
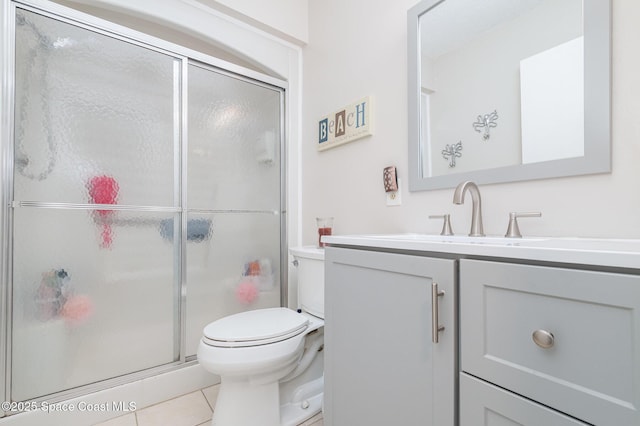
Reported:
(246, 292)
(77, 309)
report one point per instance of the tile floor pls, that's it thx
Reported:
(193, 409)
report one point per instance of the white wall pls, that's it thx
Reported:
(286, 18)
(358, 48)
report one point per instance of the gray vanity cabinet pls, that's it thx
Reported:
(382, 366)
(543, 345)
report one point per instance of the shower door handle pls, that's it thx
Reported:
(436, 328)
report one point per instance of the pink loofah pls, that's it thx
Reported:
(77, 309)
(104, 190)
(246, 292)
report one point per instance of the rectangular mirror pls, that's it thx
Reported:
(507, 90)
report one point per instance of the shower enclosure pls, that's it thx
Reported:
(144, 198)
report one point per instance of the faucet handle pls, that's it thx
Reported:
(513, 231)
(446, 226)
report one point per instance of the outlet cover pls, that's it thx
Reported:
(393, 198)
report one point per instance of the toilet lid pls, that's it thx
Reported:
(252, 328)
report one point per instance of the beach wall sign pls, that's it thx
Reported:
(348, 124)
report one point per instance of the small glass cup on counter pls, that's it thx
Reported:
(325, 227)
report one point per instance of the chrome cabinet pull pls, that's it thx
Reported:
(435, 327)
(543, 338)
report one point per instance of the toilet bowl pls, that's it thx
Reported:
(269, 360)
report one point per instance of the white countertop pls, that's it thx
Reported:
(584, 251)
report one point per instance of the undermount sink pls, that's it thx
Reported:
(458, 239)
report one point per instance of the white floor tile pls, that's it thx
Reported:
(164, 387)
(188, 410)
(127, 420)
(194, 409)
(211, 393)
(314, 421)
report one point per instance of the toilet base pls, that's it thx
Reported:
(305, 403)
(240, 404)
(243, 404)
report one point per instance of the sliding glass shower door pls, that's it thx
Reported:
(94, 289)
(234, 185)
(147, 202)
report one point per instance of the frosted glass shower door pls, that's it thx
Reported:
(95, 279)
(234, 185)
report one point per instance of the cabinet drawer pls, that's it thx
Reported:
(482, 404)
(592, 369)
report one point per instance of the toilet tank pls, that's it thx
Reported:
(310, 261)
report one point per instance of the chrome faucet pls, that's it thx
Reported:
(476, 213)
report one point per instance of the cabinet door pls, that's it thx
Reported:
(482, 404)
(381, 366)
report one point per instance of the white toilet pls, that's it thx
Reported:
(269, 360)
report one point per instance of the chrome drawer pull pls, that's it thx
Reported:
(435, 327)
(543, 338)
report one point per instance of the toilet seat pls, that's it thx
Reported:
(255, 328)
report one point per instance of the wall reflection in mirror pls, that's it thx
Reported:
(499, 89)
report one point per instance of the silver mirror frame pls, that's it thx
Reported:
(597, 114)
